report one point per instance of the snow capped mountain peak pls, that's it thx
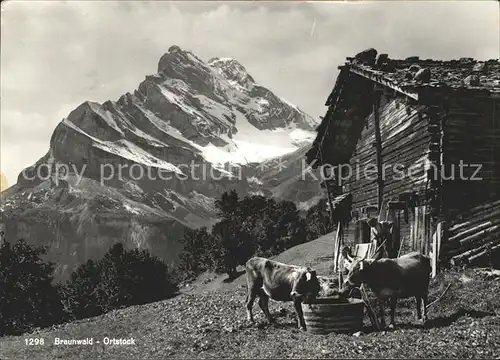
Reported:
(181, 64)
(206, 112)
(154, 150)
(233, 71)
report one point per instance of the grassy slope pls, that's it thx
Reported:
(204, 324)
(317, 253)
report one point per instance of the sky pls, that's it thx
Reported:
(57, 54)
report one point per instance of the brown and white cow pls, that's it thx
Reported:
(392, 279)
(280, 282)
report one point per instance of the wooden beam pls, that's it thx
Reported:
(473, 230)
(434, 254)
(379, 78)
(436, 245)
(336, 247)
(381, 215)
(465, 257)
(478, 257)
(416, 232)
(453, 252)
(320, 147)
(328, 195)
(341, 275)
(470, 239)
(426, 239)
(378, 149)
(412, 237)
(492, 144)
(340, 229)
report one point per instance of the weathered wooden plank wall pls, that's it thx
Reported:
(414, 137)
(472, 135)
(405, 146)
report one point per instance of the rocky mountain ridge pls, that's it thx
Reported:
(142, 168)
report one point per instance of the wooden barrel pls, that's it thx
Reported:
(326, 315)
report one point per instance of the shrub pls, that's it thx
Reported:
(197, 256)
(120, 279)
(27, 297)
(319, 221)
(80, 292)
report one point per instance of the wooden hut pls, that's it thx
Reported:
(419, 139)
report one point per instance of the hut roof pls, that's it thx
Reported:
(420, 81)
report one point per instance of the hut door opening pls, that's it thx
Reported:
(361, 232)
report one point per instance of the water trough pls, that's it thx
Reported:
(333, 314)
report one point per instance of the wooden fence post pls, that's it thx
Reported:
(437, 239)
(434, 250)
(416, 224)
(341, 276)
(336, 249)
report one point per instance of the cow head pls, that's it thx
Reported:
(357, 273)
(306, 286)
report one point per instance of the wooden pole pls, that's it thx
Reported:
(338, 241)
(330, 204)
(328, 195)
(473, 230)
(434, 251)
(483, 254)
(493, 145)
(335, 249)
(427, 236)
(320, 151)
(378, 147)
(465, 256)
(369, 308)
(415, 233)
(341, 277)
(437, 239)
(479, 235)
(401, 245)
